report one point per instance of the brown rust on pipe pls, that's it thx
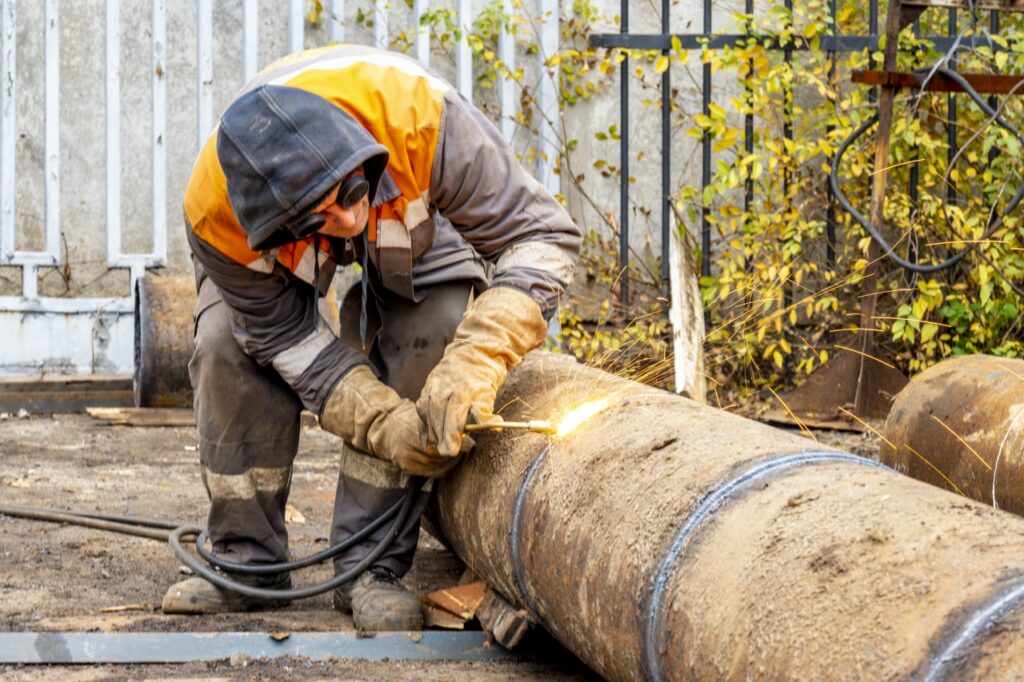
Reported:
(163, 341)
(960, 425)
(672, 538)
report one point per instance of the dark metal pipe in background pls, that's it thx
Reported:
(670, 540)
(960, 425)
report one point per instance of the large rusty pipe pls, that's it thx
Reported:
(668, 540)
(163, 341)
(960, 425)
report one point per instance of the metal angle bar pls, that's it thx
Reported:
(51, 166)
(705, 172)
(690, 41)
(419, 8)
(463, 55)
(65, 306)
(181, 647)
(547, 99)
(296, 25)
(380, 23)
(251, 39)
(158, 139)
(112, 124)
(8, 129)
(506, 91)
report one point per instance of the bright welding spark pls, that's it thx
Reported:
(580, 414)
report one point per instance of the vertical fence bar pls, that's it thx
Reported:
(463, 55)
(251, 39)
(952, 116)
(547, 99)
(380, 23)
(624, 163)
(296, 25)
(204, 70)
(8, 129)
(705, 173)
(158, 137)
(748, 118)
(666, 156)
(506, 92)
(830, 211)
(112, 124)
(52, 141)
(336, 22)
(419, 8)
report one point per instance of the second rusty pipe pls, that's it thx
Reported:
(960, 425)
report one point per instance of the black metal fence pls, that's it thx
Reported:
(836, 42)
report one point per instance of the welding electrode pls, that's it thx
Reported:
(537, 426)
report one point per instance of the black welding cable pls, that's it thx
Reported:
(174, 533)
(220, 580)
(864, 222)
(319, 557)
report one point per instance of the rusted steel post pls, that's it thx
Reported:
(668, 540)
(960, 425)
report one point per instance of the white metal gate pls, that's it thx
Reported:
(93, 334)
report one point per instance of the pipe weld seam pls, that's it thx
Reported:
(983, 620)
(515, 532)
(706, 508)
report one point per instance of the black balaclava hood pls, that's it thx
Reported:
(282, 150)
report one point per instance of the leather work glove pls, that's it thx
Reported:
(498, 329)
(371, 416)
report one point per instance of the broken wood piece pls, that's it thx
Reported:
(435, 617)
(501, 621)
(126, 607)
(461, 600)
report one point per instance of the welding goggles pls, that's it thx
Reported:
(351, 192)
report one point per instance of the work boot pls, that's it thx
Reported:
(378, 602)
(198, 596)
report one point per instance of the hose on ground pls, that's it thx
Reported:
(177, 534)
(873, 230)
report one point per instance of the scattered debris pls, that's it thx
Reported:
(280, 636)
(185, 570)
(126, 607)
(191, 448)
(23, 413)
(293, 515)
(4, 416)
(501, 621)
(462, 600)
(416, 636)
(435, 617)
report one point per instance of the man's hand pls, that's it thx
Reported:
(371, 416)
(499, 328)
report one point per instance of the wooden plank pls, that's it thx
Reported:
(989, 84)
(144, 416)
(50, 394)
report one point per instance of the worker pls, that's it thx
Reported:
(349, 155)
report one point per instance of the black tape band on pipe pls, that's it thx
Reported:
(651, 655)
(515, 531)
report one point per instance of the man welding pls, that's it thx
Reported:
(338, 156)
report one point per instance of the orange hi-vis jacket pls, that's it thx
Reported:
(451, 203)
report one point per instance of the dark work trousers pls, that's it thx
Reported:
(248, 422)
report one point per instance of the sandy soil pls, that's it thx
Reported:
(58, 577)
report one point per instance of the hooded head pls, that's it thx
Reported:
(283, 150)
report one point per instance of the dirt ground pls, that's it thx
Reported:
(58, 577)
